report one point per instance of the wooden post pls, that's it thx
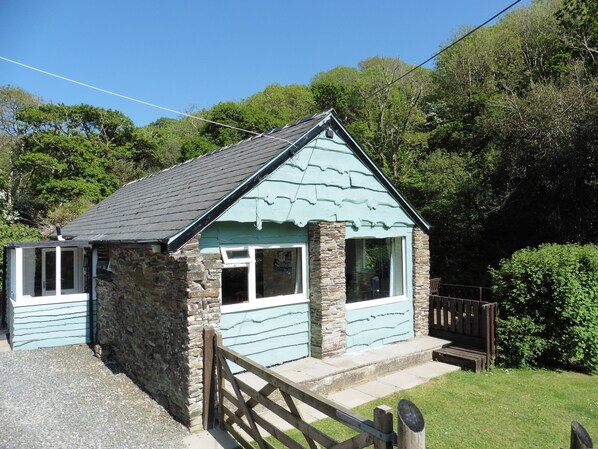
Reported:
(209, 335)
(411, 432)
(383, 422)
(580, 438)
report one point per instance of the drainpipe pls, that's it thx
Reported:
(3, 299)
(90, 269)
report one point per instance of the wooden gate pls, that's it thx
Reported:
(246, 413)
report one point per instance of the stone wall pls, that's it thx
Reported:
(203, 309)
(152, 312)
(327, 288)
(421, 281)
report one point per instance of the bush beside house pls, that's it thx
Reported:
(549, 307)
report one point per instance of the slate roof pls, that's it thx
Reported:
(159, 206)
(171, 206)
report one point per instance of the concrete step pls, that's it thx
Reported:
(348, 370)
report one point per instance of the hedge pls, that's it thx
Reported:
(549, 307)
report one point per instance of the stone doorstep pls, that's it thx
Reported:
(360, 367)
(349, 370)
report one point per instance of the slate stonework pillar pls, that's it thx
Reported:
(203, 309)
(327, 288)
(421, 281)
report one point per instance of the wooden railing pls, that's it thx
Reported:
(466, 321)
(463, 291)
(242, 410)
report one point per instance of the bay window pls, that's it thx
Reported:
(374, 269)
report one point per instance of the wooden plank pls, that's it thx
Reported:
(255, 433)
(445, 307)
(459, 316)
(453, 316)
(383, 421)
(220, 377)
(357, 442)
(295, 411)
(267, 426)
(267, 390)
(278, 410)
(467, 317)
(236, 435)
(208, 374)
(476, 310)
(439, 313)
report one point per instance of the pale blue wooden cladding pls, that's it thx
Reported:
(221, 233)
(48, 325)
(269, 336)
(379, 325)
(324, 181)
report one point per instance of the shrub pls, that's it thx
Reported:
(549, 307)
(16, 233)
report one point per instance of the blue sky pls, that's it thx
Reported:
(191, 54)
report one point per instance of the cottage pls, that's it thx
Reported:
(293, 243)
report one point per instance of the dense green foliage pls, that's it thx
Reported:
(549, 307)
(497, 146)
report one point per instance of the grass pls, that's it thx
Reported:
(498, 409)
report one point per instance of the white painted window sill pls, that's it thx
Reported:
(264, 303)
(45, 300)
(376, 302)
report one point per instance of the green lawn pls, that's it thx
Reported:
(499, 409)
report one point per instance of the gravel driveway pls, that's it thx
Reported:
(67, 398)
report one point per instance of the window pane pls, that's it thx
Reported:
(50, 270)
(237, 253)
(234, 285)
(278, 272)
(368, 269)
(67, 270)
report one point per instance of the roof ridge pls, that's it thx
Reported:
(227, 147)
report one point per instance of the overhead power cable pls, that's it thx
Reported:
(146, 103)
(469, 33)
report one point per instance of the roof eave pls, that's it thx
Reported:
(179, 239)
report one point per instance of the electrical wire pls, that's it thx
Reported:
(413, 69)
(146, 103)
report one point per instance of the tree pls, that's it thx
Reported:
(287, 103)
(72, 152)
(12, 100)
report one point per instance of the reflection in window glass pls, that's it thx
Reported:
(278, 272)
(373, 269)
(234, 285)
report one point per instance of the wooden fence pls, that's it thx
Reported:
(466, 321)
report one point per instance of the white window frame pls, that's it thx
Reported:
(394, 298)
(59, 291)
(253, 302)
